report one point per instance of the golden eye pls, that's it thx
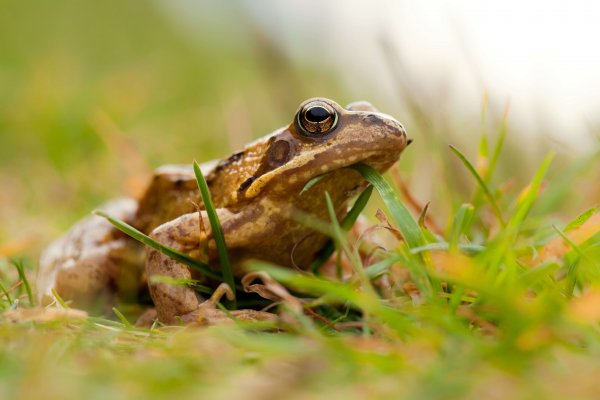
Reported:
(317, 118)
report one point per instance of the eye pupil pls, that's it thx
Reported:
(317, 114)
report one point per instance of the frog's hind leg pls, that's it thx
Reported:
(93, 262)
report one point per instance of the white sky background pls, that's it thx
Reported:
(541, 56)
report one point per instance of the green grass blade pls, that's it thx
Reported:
(339, 237)
(6, 294)
(461, 224)
(508, 236)
(182, 282)
(557, 195)
(357, 208)
(497, 148)
(524, 204)
(593, 241)
(483, 159)
(572, 244)
(581, 219)
(346, 224)
(539, 272)
(59, 299)
(217, 231)
(312, 183)
(484, 151)
(18, 264)
(406, 223)
(467, 247)
(490, 165)
(122, 318)
(482, 184)
(166, 250)
(375, 270)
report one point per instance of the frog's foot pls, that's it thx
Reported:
(209, 314)
(147, 319)
(178, 303)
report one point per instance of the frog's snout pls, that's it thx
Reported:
(391, 126)
(395, 127)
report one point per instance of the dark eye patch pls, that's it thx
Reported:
(279, 153)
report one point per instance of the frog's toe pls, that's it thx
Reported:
(147, 319)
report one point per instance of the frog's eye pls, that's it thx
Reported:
(317, 118)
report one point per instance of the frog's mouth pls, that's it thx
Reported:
(301, 171)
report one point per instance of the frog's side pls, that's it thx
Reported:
(255, 192)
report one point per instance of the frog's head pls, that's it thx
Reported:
(325, 137)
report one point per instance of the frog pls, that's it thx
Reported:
(260, 195)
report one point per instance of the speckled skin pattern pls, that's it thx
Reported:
(255, 191)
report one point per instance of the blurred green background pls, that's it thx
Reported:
(96, 94)
(93, 95)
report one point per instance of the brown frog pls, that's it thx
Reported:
(255, 192)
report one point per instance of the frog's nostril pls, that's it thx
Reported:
(370, 118)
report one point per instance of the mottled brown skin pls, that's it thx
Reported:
(255, 192)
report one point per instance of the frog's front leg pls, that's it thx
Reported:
(184, 234)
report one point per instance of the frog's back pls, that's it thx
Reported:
(172, 192)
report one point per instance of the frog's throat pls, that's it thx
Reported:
(307, 167)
